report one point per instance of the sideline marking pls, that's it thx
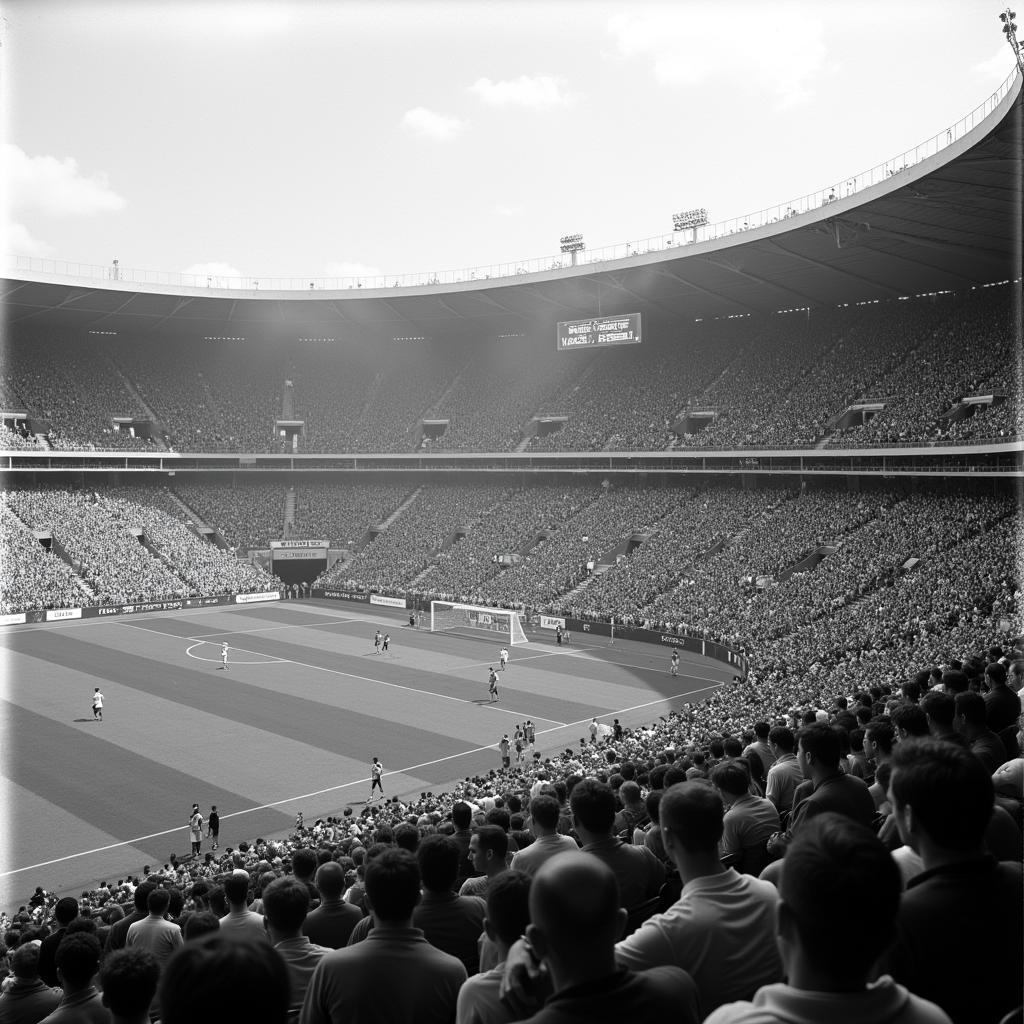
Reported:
(329, 789)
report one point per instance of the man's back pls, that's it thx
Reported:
(960, 939)
(331, 923)
(988, 748)
(162, 938)
(639, 873)
(244, 923)
(26, 1002)
(452, 924)
(721, 931)
(843, 794)
(783, 778)
(530, 858)
(394, 975)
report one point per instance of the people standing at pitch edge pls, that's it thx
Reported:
(385, 643)
(503, 656)
(97, 705)
(195, 828)
(224, 655)
(492, 684)
(503, 749)
(213, 826)
(674, 662)
(376, 774)
(377, 638)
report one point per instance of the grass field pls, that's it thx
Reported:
(290, 726)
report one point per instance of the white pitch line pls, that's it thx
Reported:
(267, 629)
(321, 792)
(352, 675)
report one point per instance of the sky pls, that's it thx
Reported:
(327, 139)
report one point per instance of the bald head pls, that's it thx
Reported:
(330, 880)
(574, 901)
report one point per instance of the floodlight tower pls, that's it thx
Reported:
(1010, 31)
(571, 244)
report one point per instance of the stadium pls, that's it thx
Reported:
(764, 471)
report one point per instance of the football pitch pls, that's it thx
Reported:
(290, 726)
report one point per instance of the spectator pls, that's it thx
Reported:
(332, 922)
(449, 922)
(544, 815)
(361, 979)
(240, 920)
(508, 914)
(129, 978)
(28, 998)
(1002, 705)
(749, 820)
(488, 849)
(834, 862)
(785, 774)
(942, 801)
(64, 913)
(576, 913)
(154, 932)
(637, 871)
(118, 934)
(78, 959)
(970, 722)
(285, 904)
(222, 977)
(831, 790)
(940, 710)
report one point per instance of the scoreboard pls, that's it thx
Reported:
(599, 331)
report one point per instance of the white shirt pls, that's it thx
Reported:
(97, 699)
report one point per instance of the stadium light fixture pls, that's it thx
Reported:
(1010, 31)
(571, 244)
(690, 220)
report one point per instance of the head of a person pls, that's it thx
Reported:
(304, 864)
(221, 977)
(393, 884)
(941, 794)
(66, 910)
(818, 749)
(593, 806)
(879, 736)
(141, 895)
(731, 779)
(970, 711)
(508, 907)
(330, 880)
(690, 815)
(629, 794)
(836, 862)
(77, 960)
(910, 721)
(574, 909)
(782, 740)
(199, 924)
(407, 836)
(462, 815)
(236, 889)
(545, 812)
(762, 731)
(129, 979)
(955, 681)
(488, 847)
(995, 674)
(157, 902)
(438, 857)
(939, 708)
(285, 904)
(25, 961)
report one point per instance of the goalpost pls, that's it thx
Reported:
(477, 620)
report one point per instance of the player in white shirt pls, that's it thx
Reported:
(97, 705)
(376, 774)
(503, 655)
(224, 655)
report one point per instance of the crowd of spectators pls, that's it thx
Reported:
(769, 381)
(109, 547)
(19, 440)
(343, 513)
(247, 515)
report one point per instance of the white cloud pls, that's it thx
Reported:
(783, 47)
(215, 270)
(19, 241)
(55, 186)
(346, 268)
(428, 124)
(539, 92)
(998, 66)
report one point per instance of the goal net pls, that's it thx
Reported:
(500, 623)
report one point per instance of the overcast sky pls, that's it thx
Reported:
(316, 139)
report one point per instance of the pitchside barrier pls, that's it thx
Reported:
(693, 644)
(96, 611)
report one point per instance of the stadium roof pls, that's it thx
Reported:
(949, 221)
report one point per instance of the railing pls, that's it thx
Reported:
(810, 203)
